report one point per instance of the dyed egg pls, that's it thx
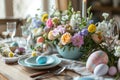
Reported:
(14, 44)
(112, 71)
(33, 54)
(20, 50)
(101, 69)
(11, 54)
(119, 65)
(97, 57)
(41, 60)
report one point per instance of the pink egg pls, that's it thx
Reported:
(112, 71)
(97, 57)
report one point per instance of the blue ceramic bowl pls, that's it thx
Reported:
(73, 53)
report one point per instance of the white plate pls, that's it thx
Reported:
(57, 61)
(33, 60)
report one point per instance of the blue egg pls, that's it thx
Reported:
(41, 60)
(86, 78)
(14, 44)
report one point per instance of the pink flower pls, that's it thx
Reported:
(40, 39)
(49, 23)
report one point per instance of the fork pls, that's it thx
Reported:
(57, 72)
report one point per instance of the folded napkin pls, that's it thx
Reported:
(74, 65)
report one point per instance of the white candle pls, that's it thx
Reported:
(84, 9)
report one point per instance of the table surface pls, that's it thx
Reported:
(18, 72)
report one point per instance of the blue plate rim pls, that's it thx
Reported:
(35, 64)
(56, 62)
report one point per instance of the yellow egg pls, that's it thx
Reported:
(34, 54)
(11, 54)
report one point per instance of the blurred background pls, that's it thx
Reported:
(19, 10)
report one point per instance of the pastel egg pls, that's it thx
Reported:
(112, 71)
(101, 69)
(96, 58)
(119, 65)
(14, 44)
(41, 60)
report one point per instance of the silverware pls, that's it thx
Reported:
(38, 73)
(49, 74)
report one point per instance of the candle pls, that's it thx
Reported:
(84, 9)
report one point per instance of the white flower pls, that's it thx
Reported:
(105, 15)
(102, 27)
(64, 18)
(73, 21)
(37, 31)
(117, 51)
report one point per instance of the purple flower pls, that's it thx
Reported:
(84, 32)
(36, 22)
(55, 32)
(77, 40)
(59, 30)
(90, 21)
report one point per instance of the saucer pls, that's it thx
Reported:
(57, 61)
(39, 60)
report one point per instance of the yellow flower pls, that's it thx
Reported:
(66, 38)
(91, 28)
(44, 17)
(11, 54)
(50, 35)
(55, 20)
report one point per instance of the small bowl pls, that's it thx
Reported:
(9, 60)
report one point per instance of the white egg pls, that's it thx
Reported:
(96, 58)
(119, 65)
(101, 69)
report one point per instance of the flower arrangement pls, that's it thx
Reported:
(65, 28)
(68, 28)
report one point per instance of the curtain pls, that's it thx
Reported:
(61, 4)
(77, 5)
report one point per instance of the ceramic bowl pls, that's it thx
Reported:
(9, 60)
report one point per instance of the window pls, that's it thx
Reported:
(23, 8)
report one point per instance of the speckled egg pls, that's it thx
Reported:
(112, 71)
(97, 57)
(101, 69)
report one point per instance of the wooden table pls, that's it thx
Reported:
(17, 72)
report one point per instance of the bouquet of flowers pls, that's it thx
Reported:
(65, 28)
(68, 28)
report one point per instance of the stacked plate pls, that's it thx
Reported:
(39, 62)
